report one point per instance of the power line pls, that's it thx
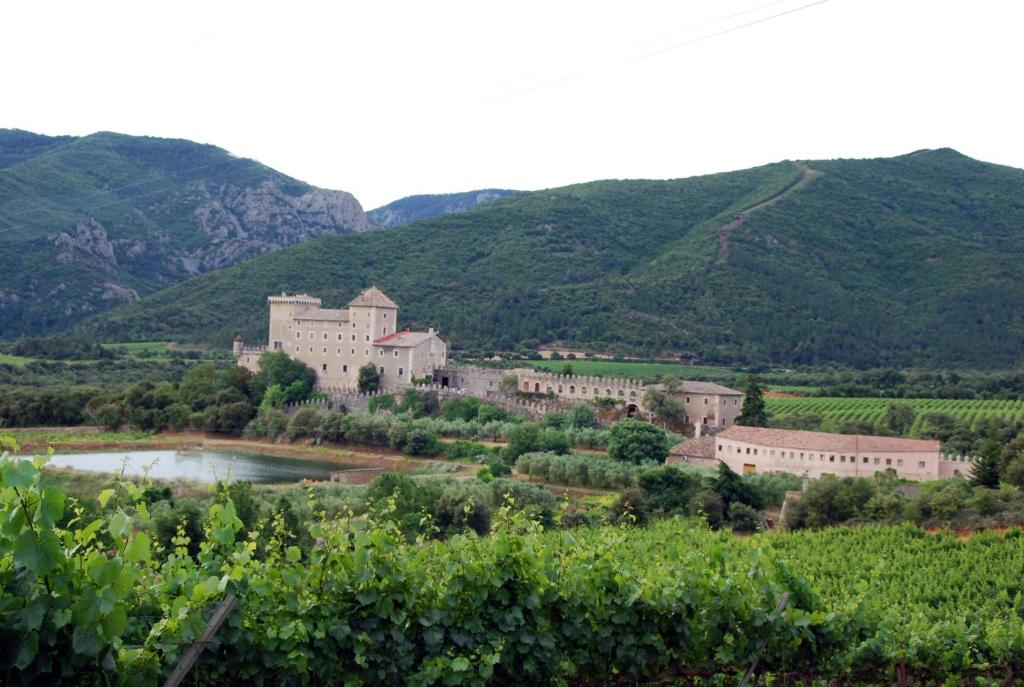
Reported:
(652, 53)
(729, 30)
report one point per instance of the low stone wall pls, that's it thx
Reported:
(357, 475)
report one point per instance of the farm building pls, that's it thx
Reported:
(757, 449)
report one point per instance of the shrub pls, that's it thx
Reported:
(669, 489)
(708, 505)
(420, 442)
(743, 518)
(304, 423)
(381, 403)
(484, 474)
(637, 442)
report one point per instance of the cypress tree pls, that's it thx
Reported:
(753, 413)
(985, 470)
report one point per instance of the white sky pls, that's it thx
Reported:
(388, 99)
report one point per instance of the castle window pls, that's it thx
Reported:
(888, 461)
(396, 354)
(382, 370)
(380, 353)
(339, 351)
(344, 368)
(324, 367)
(325, 350)
(366, 351)
(621, 393)
(572, 389)
(353, 325)
(367, 337)
(384, 330)
(865, 459)
(339, 337)
(298, 335)
(353, 337)
(296, 349)
(310, 349)
(399, 372)
(920, 463)
(325, 336)
(385, 316)
(353, 351)
(312, 335)
(705, 400)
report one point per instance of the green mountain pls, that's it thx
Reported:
(913, 260)
(412, 208)
(92, 222)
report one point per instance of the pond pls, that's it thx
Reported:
(201, 465)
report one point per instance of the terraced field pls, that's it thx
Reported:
(872, 410)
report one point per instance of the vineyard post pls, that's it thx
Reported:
(753, 666)
(192, 655)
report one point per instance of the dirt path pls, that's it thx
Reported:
(808, 176)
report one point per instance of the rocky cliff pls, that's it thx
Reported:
(88, 223)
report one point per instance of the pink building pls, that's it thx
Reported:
(758, 449)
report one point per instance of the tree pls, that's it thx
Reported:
(277, 367)
(305, 422)
(734, 489)
(522, 438)
(581, 416)
(1013, 473)
(899, 417)
(509, 384)
(567, 369)
(369, 379)
(985, 470)
(664, 406)
(637, 442)
(753, 413)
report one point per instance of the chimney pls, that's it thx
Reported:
(430, 330)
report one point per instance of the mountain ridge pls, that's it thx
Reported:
(88, 222)
(412, 208)
(902, 261)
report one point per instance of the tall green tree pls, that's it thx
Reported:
(899, 417)
(369, 379)
(986, 468)
(753, 413)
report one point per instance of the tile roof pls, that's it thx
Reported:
(374, 298)
(403, 339)
(825, 441)
(700, 447)
(689, 387)
(330, 314)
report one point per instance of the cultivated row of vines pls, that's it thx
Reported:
(839, 409)
(89, 600)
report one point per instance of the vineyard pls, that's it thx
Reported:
(872, 410)
(86, 598)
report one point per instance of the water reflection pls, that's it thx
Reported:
(201, 466)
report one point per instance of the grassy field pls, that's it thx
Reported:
(873, 409)
(635, 370)
(15, 360)
(138, 346)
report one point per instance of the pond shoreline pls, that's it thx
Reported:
(193, 441)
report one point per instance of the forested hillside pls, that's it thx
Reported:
(913, 260)
(412, 208)
(89, 223)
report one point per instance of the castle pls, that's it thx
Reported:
(337, 342)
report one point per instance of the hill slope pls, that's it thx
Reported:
(88, 223)
(412, 208)
(913, 260)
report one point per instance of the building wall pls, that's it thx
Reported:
(916, 465)
(580, 387)
(337, 348)
(712, 410)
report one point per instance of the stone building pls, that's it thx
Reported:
(337, 342)
(759, 449)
